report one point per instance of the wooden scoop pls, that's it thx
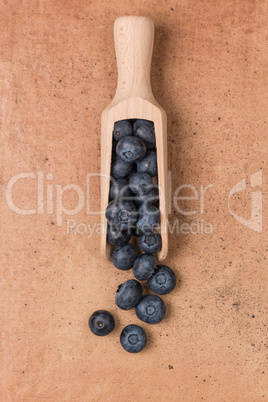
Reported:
(134, 37)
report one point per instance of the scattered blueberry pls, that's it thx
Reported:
(150, 243)
(122, 214)
(144, 129)
(148, 219)
(122, 129)
(162, 281)
(101, 322)
(130, 149)
(133, 338)
(151, 309)
(140, 183)
(117, 237)
(120, 168)
(144, 266)
(124, 257)
(148, 164)
(128, 294)
(119, 189)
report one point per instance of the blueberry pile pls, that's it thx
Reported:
(133, 214)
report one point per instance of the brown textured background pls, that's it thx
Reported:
(57, 74)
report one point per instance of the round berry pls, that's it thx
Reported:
(162, 281)
(144, 129)
(148, 218)
(124, 257)
(101, 323)
(133, 338)
(151, 309)
(144, 266)
(119, 189)
(130, 149)
(150, 243)
(117, 237)
(122, 214)
(148, 164)
(128, 294)
(140, 183)
(152, 197)
(120, 168)
(122, 129)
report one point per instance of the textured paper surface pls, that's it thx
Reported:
(57, 74)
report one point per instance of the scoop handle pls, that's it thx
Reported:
(134, 39)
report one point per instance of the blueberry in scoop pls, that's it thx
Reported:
(130, 149)
(140, 183)
(144, 129)
(117, 237)
(148, 219)
(120, 168)
(123, 257)
(148, 164)
(122, 214)
(150, 243)
(122, 128)
(101, 322)
(151, 309)
(128, 294)
(133, 338)
(152, 197)
(144, 266)
(162, 281)
(119, 189)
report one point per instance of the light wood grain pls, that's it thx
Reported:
(134, 37)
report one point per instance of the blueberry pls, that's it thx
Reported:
(150, 243)
(148, 164)
(119, 188)
(101, 322)
(122, 129)
(162, 281)
(144, 266)
(144, 129)
(133, 338)
(140, 183)
(130, 149)
(152, 197)
(117, 237)
(120, 168)
(151, 309)
(148, 218)
(124, 257)
(128, 294)
(122, 214)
